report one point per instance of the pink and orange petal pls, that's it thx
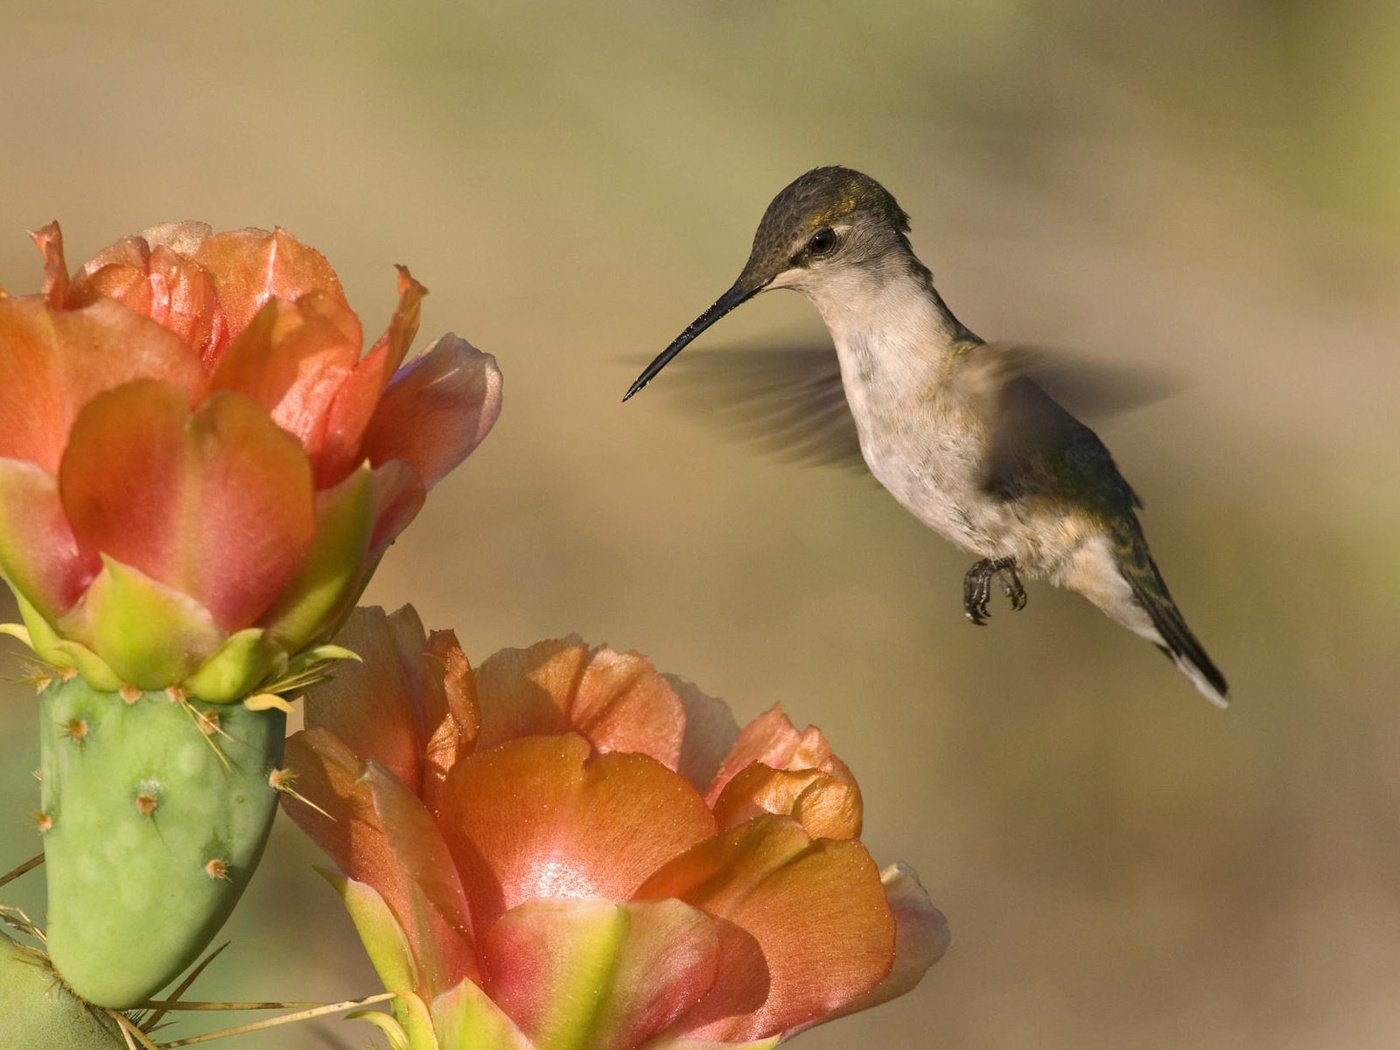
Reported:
(436, 410)
(543, 816)
(56, 361)
(217, 502)
(807, 927)
(616, 700)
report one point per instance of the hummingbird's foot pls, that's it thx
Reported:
(977, 587)
(1011, 585)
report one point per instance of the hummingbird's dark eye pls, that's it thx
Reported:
(823, 242)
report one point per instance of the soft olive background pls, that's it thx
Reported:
(1210, 187)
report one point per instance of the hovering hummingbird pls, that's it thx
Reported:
(953, 427)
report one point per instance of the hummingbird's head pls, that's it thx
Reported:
(829, 223)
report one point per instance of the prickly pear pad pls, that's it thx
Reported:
(37, 1012)
(155, 809)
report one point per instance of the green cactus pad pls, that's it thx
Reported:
(38, 1013)
(155, 814)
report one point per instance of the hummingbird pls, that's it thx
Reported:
(955, 428)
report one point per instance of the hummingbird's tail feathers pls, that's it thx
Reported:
(1174, 637)
(1115, 571)
(1182, 648)
(1207, 679)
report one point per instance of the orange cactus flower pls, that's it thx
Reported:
(198, 469)
(564, 849)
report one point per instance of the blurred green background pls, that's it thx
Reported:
(1213, 187)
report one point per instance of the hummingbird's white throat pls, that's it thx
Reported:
(895, 342)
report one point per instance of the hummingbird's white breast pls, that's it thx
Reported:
(897, 351)
(924, 409)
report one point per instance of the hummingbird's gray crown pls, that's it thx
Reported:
(828, 213)
(825, 196)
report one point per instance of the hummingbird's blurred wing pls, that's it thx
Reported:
(787, 400)
(1035, 444)
(1094, 389)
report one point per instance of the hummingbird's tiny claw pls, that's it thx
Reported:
(977, 590)
(977, 587)
(1011, 583)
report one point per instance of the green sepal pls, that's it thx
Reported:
(383, 938)
(64, 653)
(308, 667)
(465, 1016)
(19, 632)
(331, 652)
(328, 582)
(268, 701)
(241, 663)
(567, 1019)
(420, 1022)
(393, 1031)
(151, 635)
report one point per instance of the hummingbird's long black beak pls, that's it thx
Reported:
(740, 292)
